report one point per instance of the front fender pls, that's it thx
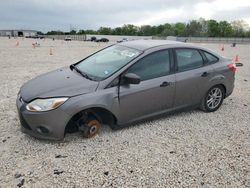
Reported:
(106, 99)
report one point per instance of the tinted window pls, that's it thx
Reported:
(152, 66)
(188, 59)
(210, 58)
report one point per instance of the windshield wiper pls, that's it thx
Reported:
(85, 75)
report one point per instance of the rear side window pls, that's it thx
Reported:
(188, 59)
(152, 66)
(210, 58)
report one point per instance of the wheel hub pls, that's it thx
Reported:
(93, 129)
(90, 128)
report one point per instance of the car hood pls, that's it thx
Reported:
(59, 83)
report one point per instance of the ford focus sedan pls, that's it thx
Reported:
(122, 84)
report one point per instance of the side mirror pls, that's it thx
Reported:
(131, 78)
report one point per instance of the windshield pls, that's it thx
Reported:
(106, 62)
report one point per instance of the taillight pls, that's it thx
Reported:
(232, 66)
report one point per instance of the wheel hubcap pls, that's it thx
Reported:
(214, 98)
(93, 129)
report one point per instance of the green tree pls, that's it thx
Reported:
(239, 28)
(129, 29)
(194, 29)
(90, 31)
(225, 29)
(179, 29)
(55, 33)
(213, 28)
(81, 32)
(145, 30)
(72, 32)
(159, 29)
(117, 31)
(40, 33)
(204, 27)
(104, 31)
(168, 30)
(248, 33)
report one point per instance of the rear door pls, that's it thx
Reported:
(192, 76)
(155, 91)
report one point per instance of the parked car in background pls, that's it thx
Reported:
(35, 37)
(122, 84)
(102, 40)
(93, 39)
(68, 38)
(123, 40)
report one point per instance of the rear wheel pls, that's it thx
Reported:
(213, 99)
(90, 128)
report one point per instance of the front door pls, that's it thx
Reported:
(155, 92)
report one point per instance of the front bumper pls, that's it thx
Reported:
(45, 125)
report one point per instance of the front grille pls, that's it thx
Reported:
(24, 123)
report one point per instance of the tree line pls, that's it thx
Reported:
(194, 28)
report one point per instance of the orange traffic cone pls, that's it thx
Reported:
(17, 43)
(236, 59)
(50, 51)
(222, 48)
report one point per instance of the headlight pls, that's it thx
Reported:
(40, 105)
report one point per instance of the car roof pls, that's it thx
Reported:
(143, 45)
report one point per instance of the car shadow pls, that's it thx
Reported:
(158, 118)
(106, 129)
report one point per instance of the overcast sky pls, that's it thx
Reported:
(47, 15)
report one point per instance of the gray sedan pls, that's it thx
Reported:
(122, 84)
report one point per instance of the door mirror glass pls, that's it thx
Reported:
(131, 78)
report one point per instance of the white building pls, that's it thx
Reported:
(18, 33)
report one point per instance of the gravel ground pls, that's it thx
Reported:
(187, 149)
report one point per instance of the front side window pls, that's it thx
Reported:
(106, 62)
(188, 59)
(152, 66)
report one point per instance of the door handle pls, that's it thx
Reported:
(205, 74)
(165, 84)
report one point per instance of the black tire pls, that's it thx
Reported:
(90, 128)
(213, 99)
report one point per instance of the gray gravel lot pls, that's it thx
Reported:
(187, 149)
